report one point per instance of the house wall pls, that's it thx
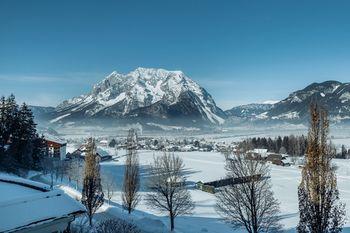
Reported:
(58, 225)
(63, 152)
(57, 150)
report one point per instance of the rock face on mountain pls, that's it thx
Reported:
(143, 94)
(333, 95)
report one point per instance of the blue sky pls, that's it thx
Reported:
(240, 51)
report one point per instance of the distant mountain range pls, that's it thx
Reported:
(158, 96)
(248, 111)
(333, 95)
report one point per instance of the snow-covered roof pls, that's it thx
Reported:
(262, 152)
(102, 152)
(53, 138)
(104, 141)
(287, 160)
(24, 204)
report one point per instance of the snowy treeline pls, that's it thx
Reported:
(292, 145)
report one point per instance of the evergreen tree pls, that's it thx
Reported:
(270, 145)
(285, 143)
(112, 143)
(20, 147)
(40, 150)
(23, 137)
(343, 152)
(319, 206)
(278, 143)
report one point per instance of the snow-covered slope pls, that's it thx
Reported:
(332, 95)
(143, 93)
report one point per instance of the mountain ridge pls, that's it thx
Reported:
(160, 96)
(333, 95)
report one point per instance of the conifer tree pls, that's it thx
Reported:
(23, 137)
(20, 146)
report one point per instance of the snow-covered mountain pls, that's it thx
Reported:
(248, 111)
(333, 95)
(151, 94)
(158, 96)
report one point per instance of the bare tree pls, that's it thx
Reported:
(75, 171)
(108, 186)
(92, 194)
(167, 181)
(251, 204)
(319, 206)
(48, 165)
(131, 182)
(59, 166)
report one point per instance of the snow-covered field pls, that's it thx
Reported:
(208, 166)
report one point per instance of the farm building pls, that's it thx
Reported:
(81, 153)
(278, 159)
(212, 187)
(274, 158)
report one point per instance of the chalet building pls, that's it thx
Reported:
(57, 148)
(31, 207)
(274, 158)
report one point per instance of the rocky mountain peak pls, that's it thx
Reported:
(120, 94)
